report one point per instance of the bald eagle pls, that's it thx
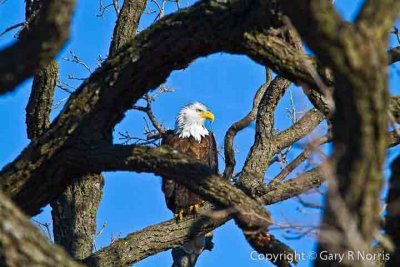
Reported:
(192, 138)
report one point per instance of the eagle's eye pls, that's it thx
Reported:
(199, 110)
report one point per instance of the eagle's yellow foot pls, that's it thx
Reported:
(194, 208)
(180, 214)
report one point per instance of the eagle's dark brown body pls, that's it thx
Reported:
(177, 196)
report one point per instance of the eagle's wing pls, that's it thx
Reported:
(213, 155)
(177, 196)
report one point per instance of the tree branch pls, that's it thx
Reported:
(394, 55)
(394, 107)
(393, 138)
(359, 136)
(165, 161)
(127, 23)
(94, 109)
(230, 161)
(74, 215)
(274, 192)
(74, 211)
(378, 16)
(169, 234)
(300, 129)
(37, 45)
(392, 224)
(41, 100)
(300, 158)
(22, 244)
(154, 239)
(260, 153)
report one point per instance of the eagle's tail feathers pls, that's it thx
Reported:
(187, 255)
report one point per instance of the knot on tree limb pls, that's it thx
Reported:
(264, 243)
(249, 220)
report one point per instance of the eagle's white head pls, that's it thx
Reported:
(190, 121)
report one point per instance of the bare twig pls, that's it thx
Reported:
(103, 8)
(309, 149)
(46, 227)
(115, 238)
(58, 103)
(98, 234)
(65, 86)
(72, 77)
(307, 204)
(396, 33)
(160, 7)
(295, 231)
(148, 110)
(75, 59)
(12, 28)
(116, 6)
(127, 138)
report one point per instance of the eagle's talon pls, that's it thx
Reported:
(180, 214)
(195, 207)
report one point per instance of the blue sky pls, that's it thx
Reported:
(224, 82)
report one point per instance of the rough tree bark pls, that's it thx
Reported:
(392, 224)
(254, 28)
(37, 44)
(41, 100)
(361, 98)
(74, 215)
(100, 102)
(22, 244)
(74, 211)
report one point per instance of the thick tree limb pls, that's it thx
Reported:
(392, 224)
(261, 152)
(152, 240)
(256, 164)
(165, 161)
(138, 245)
(360, 88)
(304, 182)
(94, 109)
(37, 45)
(99, 104)
(41, 100)
(230, 161)
(300, 129)
(127, 23)
(22, 244)
(74, 215)
(74, 211)
(251, 218)
(377, 16)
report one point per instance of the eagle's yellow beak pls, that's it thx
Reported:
(207, 115)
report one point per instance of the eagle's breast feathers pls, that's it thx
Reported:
(177, 196)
